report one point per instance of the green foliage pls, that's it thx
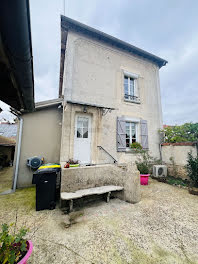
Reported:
(186, 132)
(145, 162)
(192, 169)
(136, 145)
(143, 168)
(12, 246)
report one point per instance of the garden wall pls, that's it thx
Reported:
(128, 176)
(175, 155)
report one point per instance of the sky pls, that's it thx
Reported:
(166, 28)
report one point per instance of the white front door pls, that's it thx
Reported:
(82, 139)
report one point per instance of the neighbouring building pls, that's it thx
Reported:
(7, 148)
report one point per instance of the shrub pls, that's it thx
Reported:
(12, 246)
(183, 133)
(142, 167)
(192, 169)
(136, 145)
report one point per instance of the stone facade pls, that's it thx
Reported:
(94, 74)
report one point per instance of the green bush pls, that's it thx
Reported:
(12, 246)
(136, 145)
(183, 133)
(142, 167)
(192, 169)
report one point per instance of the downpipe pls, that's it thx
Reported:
(18, 153)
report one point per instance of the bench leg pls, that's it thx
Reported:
(71, 205)
(108, 197)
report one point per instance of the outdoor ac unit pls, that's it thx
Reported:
(34, 162)
(159, 170)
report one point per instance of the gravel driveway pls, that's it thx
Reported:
(162, 228)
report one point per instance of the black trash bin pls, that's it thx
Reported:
(47, 180)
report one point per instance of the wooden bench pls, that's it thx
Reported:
(70, 196)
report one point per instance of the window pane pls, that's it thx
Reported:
(85, 123)
(127, 142)
(79, 123)
(131, 86)
(79, 132)
(126, 86)
(85, 132)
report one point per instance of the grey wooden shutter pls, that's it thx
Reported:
(121, 134)
(144, 134)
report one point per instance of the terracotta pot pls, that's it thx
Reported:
(28, 253)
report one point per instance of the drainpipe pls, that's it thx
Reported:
(18, 153)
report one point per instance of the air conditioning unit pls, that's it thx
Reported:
(159, 171)
(35, 162)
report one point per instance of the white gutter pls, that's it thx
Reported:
(18, 154)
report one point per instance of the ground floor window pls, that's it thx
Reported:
(131, 133)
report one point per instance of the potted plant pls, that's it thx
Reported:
(136, 146)
(144, 172)
(13, 247)
(71, 163)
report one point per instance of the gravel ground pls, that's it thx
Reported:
(162, 228)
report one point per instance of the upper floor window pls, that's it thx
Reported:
(130, 88)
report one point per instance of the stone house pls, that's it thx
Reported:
(111, 93)
(109, 97)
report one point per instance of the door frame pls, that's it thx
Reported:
(89, 116)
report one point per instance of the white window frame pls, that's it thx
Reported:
(130, 131)
(135, 83)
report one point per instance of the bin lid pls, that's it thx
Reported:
(49, 166)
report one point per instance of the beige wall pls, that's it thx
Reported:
(41, 136)
(94, 74)
(178, 154)
(175, 157)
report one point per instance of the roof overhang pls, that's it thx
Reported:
(16, 64)
(105, 109)
(70, 24)
(48, 103)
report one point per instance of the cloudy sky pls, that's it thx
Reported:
(167, 28)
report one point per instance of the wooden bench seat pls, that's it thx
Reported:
(70, 196)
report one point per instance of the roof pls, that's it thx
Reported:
(8, 130)
(16, 63)
(68, 24)
(48, 103)
(4, 141)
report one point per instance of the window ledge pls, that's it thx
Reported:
(131, 151)
(132, 101)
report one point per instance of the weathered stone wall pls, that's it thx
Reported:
(94, 74)
(74, 179)
(175, 155)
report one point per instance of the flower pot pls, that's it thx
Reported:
(73, 165)
(144, 179)
(28, 253)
